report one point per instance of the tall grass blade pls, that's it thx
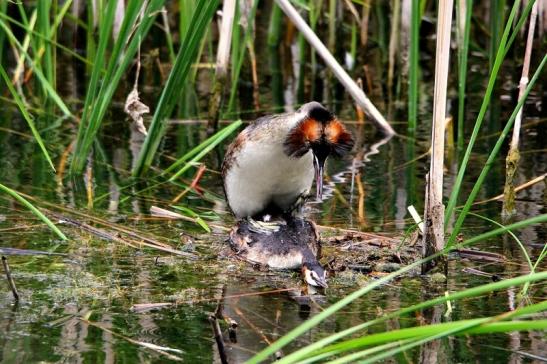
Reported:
(29, 30)
(492, 157)
(132, 31)
(33, 209)
(468, 326)
(49, 90)
(486, 101)
(201, 150)
(414, 69)
(465, 8)
(238, 55)
(3, 13)
(188, 50)
(26, 115)
(80, 152)
(43, 27)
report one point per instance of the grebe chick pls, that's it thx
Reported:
(271, 165)
(294, 244)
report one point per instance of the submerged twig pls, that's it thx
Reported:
(15, 251)
(10, 278)
(218, 339)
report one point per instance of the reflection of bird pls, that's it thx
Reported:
(292, 244)
(270, 167)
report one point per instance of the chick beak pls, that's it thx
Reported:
(321, 282)
(318, 165)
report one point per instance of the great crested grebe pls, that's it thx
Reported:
(268, 171)
(293, 245)
(270, 166)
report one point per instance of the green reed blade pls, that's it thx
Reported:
(463, 52)
(204, 147)
(44, 82)
(30, 206)
(26, 115)
(132, 33)
(203, 14)
(43, 27)
(492, 157)
(414, 56)
(484, 107)
(203, 150)
(240, 52)
(486, 325)
(3, 13)
(467, 293)
(105, 29)
(469, 326)
(28, 29)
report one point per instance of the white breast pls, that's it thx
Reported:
(262, 173)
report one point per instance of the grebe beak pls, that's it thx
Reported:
(318, 165)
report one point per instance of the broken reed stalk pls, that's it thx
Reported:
(10, 278)
(433, 240)
(513, 156)
(223, 60)
(350, 85)
(218, 339)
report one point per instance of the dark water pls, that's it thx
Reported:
(77, 307)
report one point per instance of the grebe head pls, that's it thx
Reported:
(320, 131)
(314, 274)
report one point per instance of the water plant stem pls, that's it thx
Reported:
(512, 160)
(414, 56)
(433, 240)
(465, 9)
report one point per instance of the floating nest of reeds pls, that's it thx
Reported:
(361, 253)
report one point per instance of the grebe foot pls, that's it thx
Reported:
(263, 227)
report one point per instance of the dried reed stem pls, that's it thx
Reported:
(434, 210)
(513, 157)
(350, 85)
(223, 60)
